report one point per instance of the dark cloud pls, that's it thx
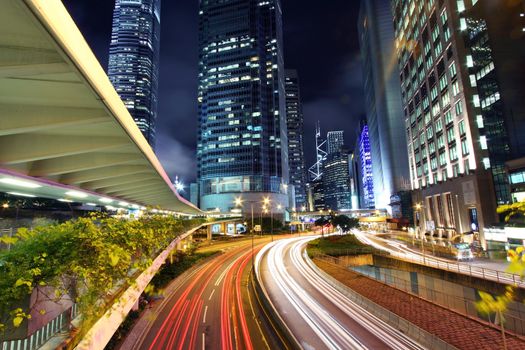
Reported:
(320, 42)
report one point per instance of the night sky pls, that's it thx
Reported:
(320, 41)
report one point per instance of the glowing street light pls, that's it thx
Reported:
(179, 185)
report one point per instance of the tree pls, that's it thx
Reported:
(498, 305)
(513, 212)
(345, 223)
(322, 222)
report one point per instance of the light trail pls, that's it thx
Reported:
(402, 251)
(331, 317)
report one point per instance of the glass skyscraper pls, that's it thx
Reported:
(384, 111)
(242, 146)
(337, 181)
(294, 117)
(334, 141)
(134, 60)
(462, 93)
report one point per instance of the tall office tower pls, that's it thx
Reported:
(334, 141)
(461, 63)
(134, 60)
(384, 111)
(367, 176)
(194, 193)
(336, 180)
(294, 122)
(317, 193)
(242, 148)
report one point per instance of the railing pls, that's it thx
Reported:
(49, 330)
(461, 268)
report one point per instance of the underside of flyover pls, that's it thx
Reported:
(61, 121)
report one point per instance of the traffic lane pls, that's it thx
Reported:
(400, 250)
(177, 322)
(292, 318)
(311, 316)
(306, 279)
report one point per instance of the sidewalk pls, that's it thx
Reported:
(457, 330)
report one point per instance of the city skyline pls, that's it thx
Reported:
(99, 249)
(338, 103)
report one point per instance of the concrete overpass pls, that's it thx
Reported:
(64, 131)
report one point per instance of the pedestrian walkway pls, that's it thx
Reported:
(457, 330)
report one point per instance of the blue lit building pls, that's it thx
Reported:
(367, 176)
(242, 138)
(134, 60)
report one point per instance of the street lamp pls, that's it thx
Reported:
(238, 203)
(419, 208)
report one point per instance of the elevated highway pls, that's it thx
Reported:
(64, 131)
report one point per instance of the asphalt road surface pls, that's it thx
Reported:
(317, 314)
(209, 307)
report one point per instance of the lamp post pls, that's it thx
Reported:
(238, 203)
(419, 208)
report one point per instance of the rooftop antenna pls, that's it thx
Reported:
(316, 170)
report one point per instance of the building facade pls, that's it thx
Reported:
(317, 195)
(457, 114)
(133, 67)
(334, 141)
(242, 149)
(337, 185)
(384, 111)
(366, 169)
(295, 129)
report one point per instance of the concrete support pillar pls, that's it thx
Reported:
(208, 233)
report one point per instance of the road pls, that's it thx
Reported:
(209, 307)
(318, 315)
(402, 251)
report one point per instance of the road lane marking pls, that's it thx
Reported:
(221, 276)
(211, 295)
(203, 341)
(205, 311)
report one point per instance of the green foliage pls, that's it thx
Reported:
(489, 304)
(345, 223)
(512, 211)
(338, 245)
(322, 221)
(86, 259)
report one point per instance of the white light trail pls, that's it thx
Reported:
(315, 312)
